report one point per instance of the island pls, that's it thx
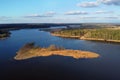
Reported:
(95, 34)
(30, 50)
(4, 34)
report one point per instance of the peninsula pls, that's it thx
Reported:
(100, 34)
(29, 50)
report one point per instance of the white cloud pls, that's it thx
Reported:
(50, 13)
(5, 18)
(104, 12)
(36, 15)
(99, 18)
(110, 2)
(98, 2)
(88, 17)
(76, 13)
(47, 14)
(114, 17)
(88, 4)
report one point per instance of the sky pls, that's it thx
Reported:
(59, 11)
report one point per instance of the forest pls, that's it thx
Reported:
(102, 33)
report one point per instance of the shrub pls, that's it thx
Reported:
(52, 48)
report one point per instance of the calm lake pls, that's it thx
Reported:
(107, 67)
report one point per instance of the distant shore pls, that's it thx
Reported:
(83, 38)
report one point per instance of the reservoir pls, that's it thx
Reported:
(106, 67)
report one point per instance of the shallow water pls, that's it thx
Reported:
(106, 67)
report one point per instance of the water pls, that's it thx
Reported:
(107, 67)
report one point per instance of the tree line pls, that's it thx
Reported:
(107, 34)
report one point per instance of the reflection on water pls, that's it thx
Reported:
(106, 67)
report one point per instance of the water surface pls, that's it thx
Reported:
(106, 67)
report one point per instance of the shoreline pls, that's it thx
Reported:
(83, 38)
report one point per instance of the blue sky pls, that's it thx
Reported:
(59, 11)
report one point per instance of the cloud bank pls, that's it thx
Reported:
(98, 2)
(76, 13)
(110, 2)
(88, 4)
(47, 14)
(103, 12)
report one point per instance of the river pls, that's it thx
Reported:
(106, 67)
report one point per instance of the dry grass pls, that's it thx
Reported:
(37, 52)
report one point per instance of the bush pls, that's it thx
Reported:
(54, 48)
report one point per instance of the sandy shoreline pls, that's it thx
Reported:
(83, 38)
